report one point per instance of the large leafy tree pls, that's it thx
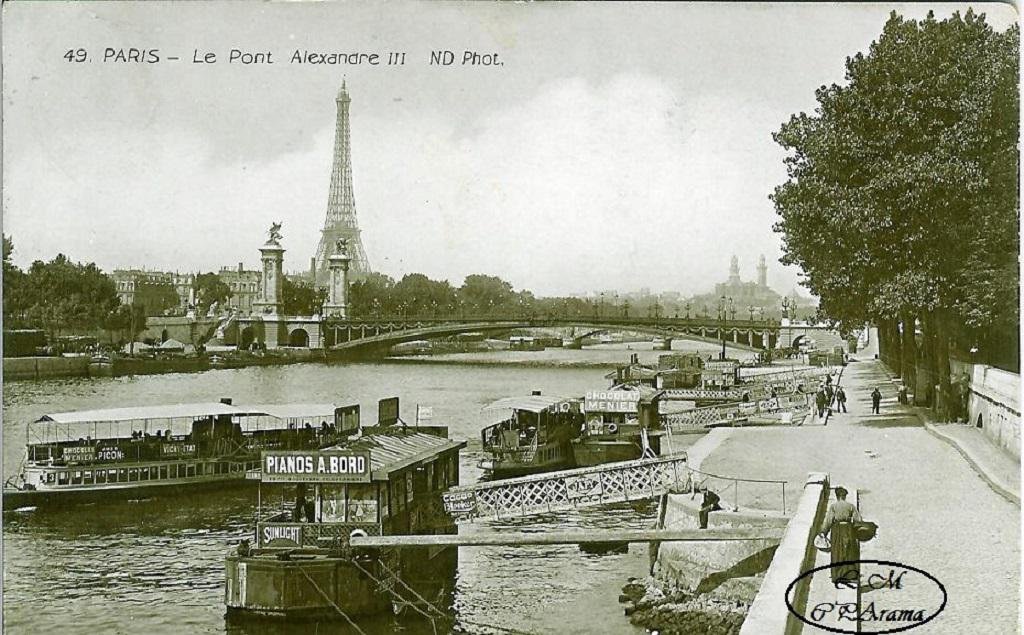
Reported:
(209, 288)
(901, 204)
(62, 296)
(301, 298)
(485, 295)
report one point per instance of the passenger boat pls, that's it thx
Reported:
(98, 454)
(621, 425)
(385, 481)
(534, 436)
(101, 365)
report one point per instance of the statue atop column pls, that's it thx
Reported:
(274, 234)
(341, 247)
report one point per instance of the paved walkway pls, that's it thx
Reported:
(995, 465)
(933, 510)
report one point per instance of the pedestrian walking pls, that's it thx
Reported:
(876, 400)
(840, 399)
(819, 400)
(839, 526)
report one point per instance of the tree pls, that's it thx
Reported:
(126, 320)
(485, 295)
(14, 288)
(301, 298)
(901, 204)
(371, 296)
(209, 288)
(61, 295)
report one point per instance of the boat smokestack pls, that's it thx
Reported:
(226, 401)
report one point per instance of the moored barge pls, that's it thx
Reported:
(81, 456)
(621, 425)
(385, 481)
(534, 435)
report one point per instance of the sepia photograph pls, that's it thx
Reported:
(510, 318)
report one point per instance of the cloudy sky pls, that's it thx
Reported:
(618, 146)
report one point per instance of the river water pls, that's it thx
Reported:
(156, 566)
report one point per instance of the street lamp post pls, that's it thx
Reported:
(722, 315)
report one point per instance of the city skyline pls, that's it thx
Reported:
(588, 171)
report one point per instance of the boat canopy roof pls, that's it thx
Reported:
(530, 403)
(394, 449)
(141, 413)
(175, 418)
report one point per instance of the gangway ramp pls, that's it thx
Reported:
(598, 536)
(567, 489)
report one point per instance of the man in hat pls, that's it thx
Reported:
(838, 524)
(876, 400)
(709, 503)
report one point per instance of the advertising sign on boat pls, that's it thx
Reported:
(178, 449)
(322, 466)
(611, 401)
(81, 453)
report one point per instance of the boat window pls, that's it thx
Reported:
(453, 469)
(398, 495)
(190, 469)
(62, 478)
(122, 475)
(181, 471)
(111, 476)
(101, 476)
(408, 487)
(87, 477)
(332, 503)
(362, 503)
(163, 471)
(76, 477)
(133, 474)
(49, 477)
(431, 483)
(144, 473)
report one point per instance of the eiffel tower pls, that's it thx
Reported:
(341, 204)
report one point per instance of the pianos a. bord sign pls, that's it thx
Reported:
(315, 466)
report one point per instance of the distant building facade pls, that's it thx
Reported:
(160, 292)
(245, 287)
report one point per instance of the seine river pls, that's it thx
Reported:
(156, 566)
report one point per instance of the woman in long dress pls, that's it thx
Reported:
(838, 524)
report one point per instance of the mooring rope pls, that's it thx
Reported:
(442, 614)
(331, 602)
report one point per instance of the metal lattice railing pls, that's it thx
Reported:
(566, 490)
(710, 415)
(610, 483)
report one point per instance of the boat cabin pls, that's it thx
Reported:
(387, 481)
(533, 434)
(622, 411)
(153, 445)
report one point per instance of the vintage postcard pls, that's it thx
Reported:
(505, 318)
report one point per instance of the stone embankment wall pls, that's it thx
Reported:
(689, 566)
(994, 405)
(795, 555)
(45, 367)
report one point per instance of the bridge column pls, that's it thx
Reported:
(735, 336)
(271, 278)
(337, 290)
(271, 284)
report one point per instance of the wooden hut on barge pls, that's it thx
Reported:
(388, 481)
